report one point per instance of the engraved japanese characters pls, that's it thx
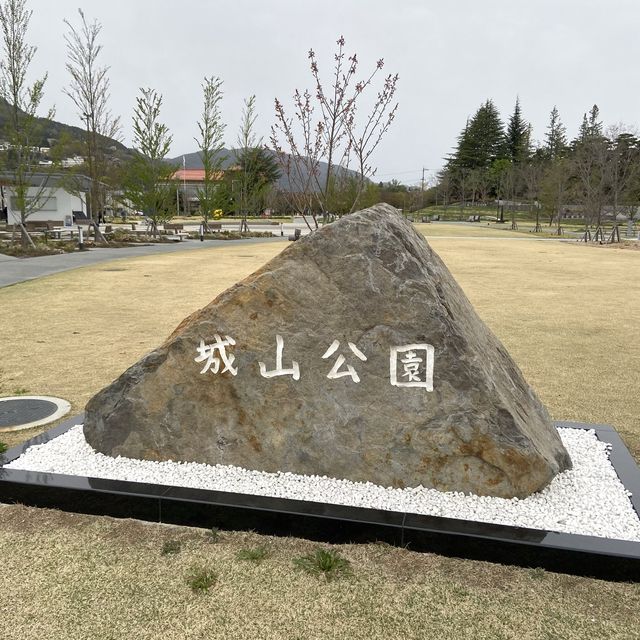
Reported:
(215, 354)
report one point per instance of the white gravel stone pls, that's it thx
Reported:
(588, 500)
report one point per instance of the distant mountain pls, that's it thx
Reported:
(194, 161)
(74, 137)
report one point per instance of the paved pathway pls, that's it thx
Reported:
(14, 270)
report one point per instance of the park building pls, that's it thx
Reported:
(55, 198)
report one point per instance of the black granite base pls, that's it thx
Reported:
(569, 553)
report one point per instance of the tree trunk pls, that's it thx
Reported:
(25, 237)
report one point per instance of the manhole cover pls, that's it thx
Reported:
(24, 412)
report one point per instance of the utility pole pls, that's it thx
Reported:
(184, 186)
(422, 188)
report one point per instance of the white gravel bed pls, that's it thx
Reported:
(588, 500)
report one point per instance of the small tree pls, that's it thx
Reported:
(532, 173)
(257, 169)
(555, 186)
(624, 165)
(591, 166)
(337, 136)
(148, 179)
(28, 189)
(211, 144)
(89, 91)
(500, 175)
(301, 164)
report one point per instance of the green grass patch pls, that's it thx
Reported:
(327, 563)
(257, 555)
(171, 548)
(213, 535)
(200, 579)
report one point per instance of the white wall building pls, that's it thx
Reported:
(55, 202)
(55, 205)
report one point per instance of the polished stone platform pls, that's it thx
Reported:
(570, 553)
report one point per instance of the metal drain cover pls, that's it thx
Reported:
(25, 412)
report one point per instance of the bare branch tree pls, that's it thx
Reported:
(532, 172)
(591, 167)
(333, 135)
(554, 188)
(375, 126)
(89, 91)
(301, 165)
(29, 189)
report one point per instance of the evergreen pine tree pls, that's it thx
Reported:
(591, 126)
(481, 141)
(464, 155)
(583, 132)
(595, 125)
(517, 137)
(488, 134)
(556, 136)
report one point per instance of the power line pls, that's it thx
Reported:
(397, 173)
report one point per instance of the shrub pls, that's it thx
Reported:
(3, 448)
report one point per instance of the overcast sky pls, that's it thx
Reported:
(450, 55)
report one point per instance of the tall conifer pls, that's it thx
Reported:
(556, 137)
(517, 137)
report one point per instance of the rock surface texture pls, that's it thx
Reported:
(353, 354)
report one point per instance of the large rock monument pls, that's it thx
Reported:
(352, 354)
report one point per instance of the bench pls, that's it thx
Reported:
(40, 225)
(59, 232)
(177, 236)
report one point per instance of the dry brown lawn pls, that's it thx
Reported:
(567, 313)
(475, 230)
